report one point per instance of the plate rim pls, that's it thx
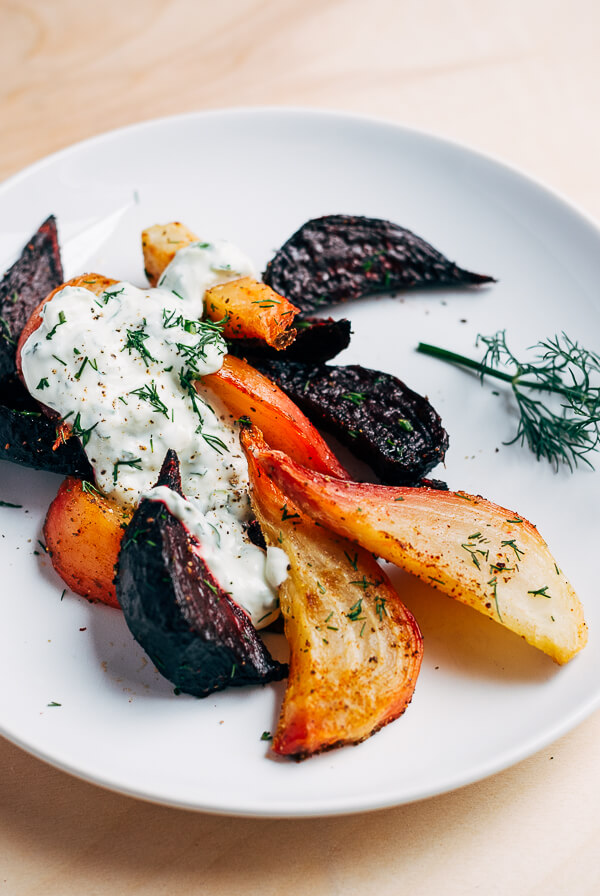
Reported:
(476, 774)
(316, 112)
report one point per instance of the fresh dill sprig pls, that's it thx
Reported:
(566, 432)
(79, 431)
(136, 341)
(187, 378)
(171, 320)
(149, 393)
(209, 334)
(355, 397)
(62, 319)
(91, 361)
(6, 331)
(215, 442)
(135, 463)
(108, 294)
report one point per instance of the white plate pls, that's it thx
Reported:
(484, 699)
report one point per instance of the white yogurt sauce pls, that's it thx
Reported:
(198, 266)
(120, 368)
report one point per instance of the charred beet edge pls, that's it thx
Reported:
(342, 257)
(193, 632)
(27, 435)
(317, 340)
(36, 273)
(383, 422)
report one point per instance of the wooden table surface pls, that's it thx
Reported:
(519, 79)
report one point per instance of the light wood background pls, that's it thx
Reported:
(519, 79)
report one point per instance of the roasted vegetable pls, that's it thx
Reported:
(31, 433)
(355, 650)
(341, 257)
(159, 245)
(95, 283)
(247, 393)
(248, 308)
(194, 633)
(78, 510)
(259, 321)
(383, 422)
(485, 556)
(83, 533)
(28, 436)
(36, 272)
(317, 340)
(252, 310)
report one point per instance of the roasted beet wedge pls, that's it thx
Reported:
(383, 422)
(27, 436)
(191, 629)
(37, 271)
(341, 257)
(317, 340)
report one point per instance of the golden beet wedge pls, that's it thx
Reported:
(483, 555)
(355, 649)
(83, 533)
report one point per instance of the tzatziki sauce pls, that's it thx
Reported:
(121, 369)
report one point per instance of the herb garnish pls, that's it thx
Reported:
(473, 550)
(355, 610)
(364, 583)
(493, 583)
(353, 561)
(187, 379)
(136, 340)
(77, 429)
(210, 335)
(150, 394)
(380, 609)
(85, 361)
(355, 397)
(135, 464)
(566, 432)
(215, 442)
(512, 544)
(4, 324)
(541, 592)
(288, 516)
(108, 295)
(62, 319)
